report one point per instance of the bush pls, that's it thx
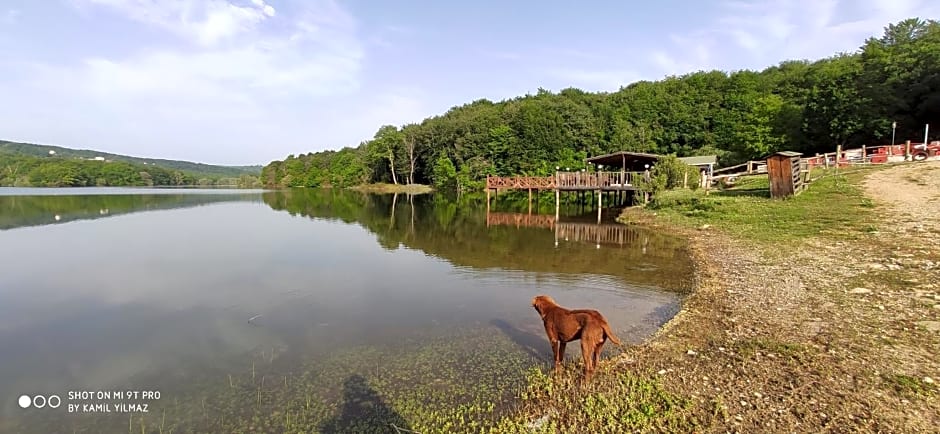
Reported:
(668, 173)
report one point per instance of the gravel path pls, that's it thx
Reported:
(834, 336)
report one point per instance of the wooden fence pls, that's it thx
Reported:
(520, 182)
(839, 158)
(520, 220)
(568, 181)
(598, 180)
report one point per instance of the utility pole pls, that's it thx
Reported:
(926, 130)
(894, 126)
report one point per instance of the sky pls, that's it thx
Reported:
(240, 82)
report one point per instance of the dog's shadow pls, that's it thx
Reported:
(532, 344)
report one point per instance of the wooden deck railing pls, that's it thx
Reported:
(520, 182)
(569, 231)
(597, 233)
(567, 181)
(601, 180)
(520, 220)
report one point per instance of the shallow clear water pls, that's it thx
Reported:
(153, 289)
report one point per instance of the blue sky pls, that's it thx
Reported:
(250, 81)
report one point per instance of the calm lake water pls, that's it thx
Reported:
(315, 310)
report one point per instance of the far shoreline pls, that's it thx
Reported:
(393, 188)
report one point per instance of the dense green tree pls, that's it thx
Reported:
(23, 170)
(384, 149)
(848, 99)
(445, 173)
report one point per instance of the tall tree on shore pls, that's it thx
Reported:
(848, 99)
(384, 147)
(410, 142)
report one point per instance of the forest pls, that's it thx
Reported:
(23, 170)
(848, 99)
(200, 170)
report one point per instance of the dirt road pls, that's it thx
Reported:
(834, 336)
(912, 194)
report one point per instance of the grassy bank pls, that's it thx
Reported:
(382, 188)
(834, 206)
(809, 317)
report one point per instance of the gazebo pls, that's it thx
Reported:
(625, 161)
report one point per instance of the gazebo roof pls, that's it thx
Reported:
(618, 158)
(703, 160)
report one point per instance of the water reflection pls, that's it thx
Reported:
(463, 233)
(21, 207)
(130, 297)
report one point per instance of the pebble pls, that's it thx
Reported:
(859, 291)
(758, 395)
(661, 372)
(933, 326)
(928, 380)
(691, 353)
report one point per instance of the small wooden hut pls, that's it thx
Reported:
(783, 168)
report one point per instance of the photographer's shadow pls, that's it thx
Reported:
(364, 411)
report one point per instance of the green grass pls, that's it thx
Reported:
(616, 401)
(834, 205)
(453, 381)
(906, 385)
(382, 188)
(750, 347)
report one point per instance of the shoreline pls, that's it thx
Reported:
(821, 318)
(393, 188)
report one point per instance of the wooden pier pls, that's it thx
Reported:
(600, 234)
(615, 183)
(610, 234)
(569, 181)
(520, 220)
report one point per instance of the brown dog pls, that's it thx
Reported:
(564, 325)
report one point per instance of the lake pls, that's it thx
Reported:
(158, 310)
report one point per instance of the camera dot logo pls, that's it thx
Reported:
(40, 401)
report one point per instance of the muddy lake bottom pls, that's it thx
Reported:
(365, 311)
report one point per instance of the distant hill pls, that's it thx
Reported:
(196, 169)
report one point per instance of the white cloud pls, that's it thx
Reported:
(390, 36)
(237, 78)
(207, 22)
(756, 34)
(394, 107)
(321, 55)
(10, 16)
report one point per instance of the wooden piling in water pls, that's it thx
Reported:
(600, 197)
(557, 203)
(487, 200)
